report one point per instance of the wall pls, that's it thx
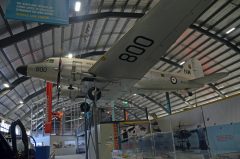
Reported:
(105, 141)
(42, 140)
(223, 112)
(217, 113)
(63, 145)
(222, 120)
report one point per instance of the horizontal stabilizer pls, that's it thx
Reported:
(209, 78)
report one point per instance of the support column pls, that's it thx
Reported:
(113, 111)
(31, 131)
(54, 125)
(63, 121)
(85, 132)
(95, 130)
(125, 115)
(146, 112)
(168, 103)
(95, 121)
(36, 116)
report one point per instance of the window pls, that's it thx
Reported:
(51, 61)
(4, 127)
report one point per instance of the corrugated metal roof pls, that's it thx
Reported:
(206, 40)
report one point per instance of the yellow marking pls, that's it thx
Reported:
(103, 58)
(135, 122)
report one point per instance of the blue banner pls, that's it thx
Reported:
(43, 11)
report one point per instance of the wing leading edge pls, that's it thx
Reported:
(148, 40)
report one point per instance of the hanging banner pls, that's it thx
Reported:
(48, 120)
(43, 11)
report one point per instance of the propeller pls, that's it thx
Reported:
(182, 125)
(59, 77)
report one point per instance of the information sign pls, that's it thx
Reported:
(43, 11)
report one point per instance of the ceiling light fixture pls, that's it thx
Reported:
(6, 85)
(125, 102)
(77, 6)
(70, 56)
(182, 63)
(230, 30)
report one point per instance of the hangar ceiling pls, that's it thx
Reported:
(94, 30)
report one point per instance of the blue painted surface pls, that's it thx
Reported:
(44, 11)
(42, 152)
(224, 138)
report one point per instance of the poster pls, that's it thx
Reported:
(43, 11)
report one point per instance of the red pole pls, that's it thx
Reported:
(48, 120)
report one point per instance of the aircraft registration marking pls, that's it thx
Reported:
(41, 69)
(187, 72)
(137, 49)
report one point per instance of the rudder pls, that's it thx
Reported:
(192, 69)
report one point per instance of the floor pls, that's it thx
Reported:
(71, 157)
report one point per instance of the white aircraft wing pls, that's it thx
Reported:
(149, 39)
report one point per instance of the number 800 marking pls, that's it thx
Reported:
(132, 51)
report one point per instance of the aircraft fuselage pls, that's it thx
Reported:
(75, 72)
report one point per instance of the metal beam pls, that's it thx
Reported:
(170, 62)
(217, 90)
(182, 98)
(54, 104)
(45, 27)
(12, 85)
(114, 25)
(168, 103)
(214, 36)
(94, 24)
(155, 102)
(24, 35)
(134, 114)
(135, 105)
(26, 100)
(89, 54)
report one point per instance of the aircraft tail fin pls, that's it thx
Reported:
(192, 69)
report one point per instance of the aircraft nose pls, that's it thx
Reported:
(22, 70)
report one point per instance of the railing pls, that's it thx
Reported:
(52, 155)
(66, 131)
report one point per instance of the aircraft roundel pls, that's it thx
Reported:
(173, 80)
